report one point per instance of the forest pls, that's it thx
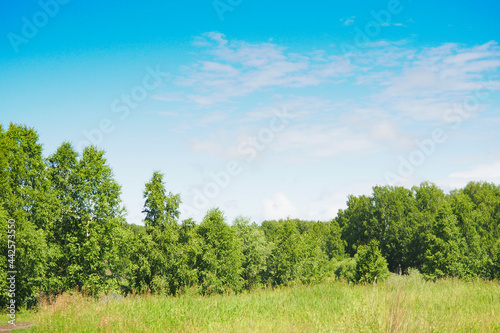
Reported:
(71, 233)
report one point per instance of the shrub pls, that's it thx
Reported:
(415, 276)
(370, 264)
(345, 269)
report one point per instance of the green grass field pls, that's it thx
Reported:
(401, 304)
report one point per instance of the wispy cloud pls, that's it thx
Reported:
(348, 21)
(237, 68)
(165, 113)
(487, 172)
(168, 97)
(205, 146)
(428, 82)
(391, 87)
(419, 83)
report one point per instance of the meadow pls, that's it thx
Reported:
(400, 304)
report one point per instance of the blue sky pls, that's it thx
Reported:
(265, 110)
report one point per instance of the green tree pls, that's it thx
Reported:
(428, 200)
(255, 250)
(220, 263)
(334, 244)
(162, 210)
(26, 197)
(61, 172)
(476, 256)
(270, 229)
(444, 247)
(485, 198)
(494, 262)
(123, 259)
(285, 254)
(371, 266)
(393, 211)
(98, 211)
(359, 225)
(190, 248)
(144, 258)
(312, 265)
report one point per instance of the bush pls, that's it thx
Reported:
(371, 266)
(415, 276)
(345, 269)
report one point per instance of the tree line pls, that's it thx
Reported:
(71, 233)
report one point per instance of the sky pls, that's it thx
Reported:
(264, 109)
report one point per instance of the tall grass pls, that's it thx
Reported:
(401, 304)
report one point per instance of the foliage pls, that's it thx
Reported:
(371, 266)
(255, 250)
(161, 210)
(345, 269)
(71, 233)
(220, 261)
(284, 255)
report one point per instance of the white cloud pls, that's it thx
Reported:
(418, 84)
(384, 130)
(428, 82)
(237, 68)
(206, 146)
(489, 172)
(166, 113)
(486, 172)
(322, 141)
(211, 118)
(393, 93)
(168, 97)
(278, 207)
(341, 129)
(348, 21)
(329, 200)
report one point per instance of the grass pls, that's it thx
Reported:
(401, 304)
